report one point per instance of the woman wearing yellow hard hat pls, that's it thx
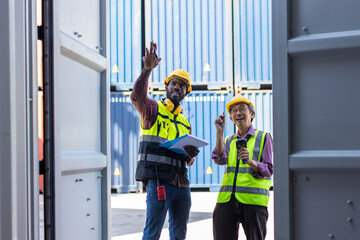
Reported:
(244, 192)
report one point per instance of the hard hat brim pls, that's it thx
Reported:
(167, 80)
(237, 101)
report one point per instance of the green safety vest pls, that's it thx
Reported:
(248, 189)
(151, 157)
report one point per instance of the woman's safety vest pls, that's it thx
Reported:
(157, 162)
(238, 177)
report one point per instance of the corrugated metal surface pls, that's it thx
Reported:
(193, 35)
(252, 43)
(316, 119)
(125, 42)
(125, 127)
(262, 101)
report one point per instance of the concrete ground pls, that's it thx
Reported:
(128, 217)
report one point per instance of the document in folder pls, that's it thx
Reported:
(177, 145)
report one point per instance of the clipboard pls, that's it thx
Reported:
(177, 145)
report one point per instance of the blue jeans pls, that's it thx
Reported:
(178, 203)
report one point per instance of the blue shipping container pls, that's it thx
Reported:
(125, 42)
(252, 43)
(194, 35)
(125, 127)
(262, 101)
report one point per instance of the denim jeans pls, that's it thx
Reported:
(178, 203)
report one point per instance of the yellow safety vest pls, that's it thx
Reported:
(248, 189)
(151, 157)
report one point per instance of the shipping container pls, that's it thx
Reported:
(192, 35)
(252, 43)
(125, 128)
(125, 43)
(262, 101)
(196, 36)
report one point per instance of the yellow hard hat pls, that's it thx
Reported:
(181, 74)
(238, 99)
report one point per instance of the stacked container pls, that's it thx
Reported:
(125, 126)
(125, 43)
(252, 43)
(193, 35)
(125, 62)
(225, 45)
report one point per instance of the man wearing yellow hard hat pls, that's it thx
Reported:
(163, 172)
(244, 192)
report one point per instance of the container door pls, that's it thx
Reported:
(316, 50)
(81, 119)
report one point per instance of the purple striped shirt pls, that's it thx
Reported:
(147, 107)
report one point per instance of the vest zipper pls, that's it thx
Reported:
(177, 128)
(158, 128)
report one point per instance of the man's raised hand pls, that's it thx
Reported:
(150, 59)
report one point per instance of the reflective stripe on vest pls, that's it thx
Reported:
(149, 138)
(157, 159)
(245, 190)
(249, 190)
(242, 170)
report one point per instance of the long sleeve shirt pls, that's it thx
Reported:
(148, 109)
(265, 165)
